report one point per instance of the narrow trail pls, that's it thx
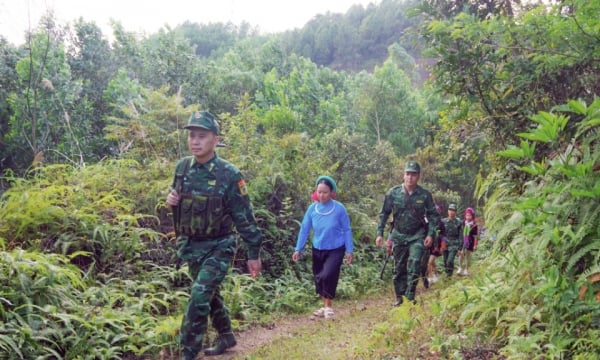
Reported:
(353, 318)
(252, 339)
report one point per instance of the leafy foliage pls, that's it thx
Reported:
(87, 244)
(548, 248)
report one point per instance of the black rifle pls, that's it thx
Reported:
(387, 258)
(175, 209)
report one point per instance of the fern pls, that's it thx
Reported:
(588, 250)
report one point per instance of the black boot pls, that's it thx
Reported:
(398, 302)
(224, 342)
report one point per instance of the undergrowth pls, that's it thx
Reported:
(87, 266)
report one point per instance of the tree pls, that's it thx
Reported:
(43, 121)
(501, 70)
(390, 109)
(91, 62)
(316, 97)
(168, 59)
(8, 83)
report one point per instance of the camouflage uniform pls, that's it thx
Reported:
(408, 234)
(454, 242)
(213, 198)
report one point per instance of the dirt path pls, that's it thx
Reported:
(250, 340)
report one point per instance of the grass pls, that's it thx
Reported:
(369, 328)
(361, 329)
(338, 338)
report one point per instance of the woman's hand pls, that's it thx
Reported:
(254, 267)
(296, 256)
(348, 259)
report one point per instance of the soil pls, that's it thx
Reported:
(250, 340)
(253, 338)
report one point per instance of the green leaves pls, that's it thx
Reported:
(548, 129)
(526, 150)
(556, 240)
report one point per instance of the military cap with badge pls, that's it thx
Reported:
(203, 120)
(412, 166)
(207, 121)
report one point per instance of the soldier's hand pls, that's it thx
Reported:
(178, 263)
(173, 198)
(428, 241)
(254, 267)
(389, 245)
(378, 241)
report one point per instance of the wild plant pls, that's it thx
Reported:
(548, 248)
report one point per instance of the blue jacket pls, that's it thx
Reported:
(330, 224)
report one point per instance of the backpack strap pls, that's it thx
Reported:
(179, 175)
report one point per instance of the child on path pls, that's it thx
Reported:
(470, 239)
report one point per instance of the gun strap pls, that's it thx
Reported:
(180, 174)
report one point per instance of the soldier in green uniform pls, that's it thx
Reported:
(453, 226)
(415, 222)
(209, 197)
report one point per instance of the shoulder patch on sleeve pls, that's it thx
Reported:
(242, 187)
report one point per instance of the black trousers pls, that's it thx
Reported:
(326, 270)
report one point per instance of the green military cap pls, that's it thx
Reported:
(412, 166)
(452, 207)
(203, 120)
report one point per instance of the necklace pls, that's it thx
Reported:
(327, 212)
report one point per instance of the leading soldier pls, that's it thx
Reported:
(415, 222)
(209, 196)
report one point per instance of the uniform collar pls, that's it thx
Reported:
(209, 164)
(415, 190)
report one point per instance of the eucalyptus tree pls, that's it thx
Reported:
(219, 85)
(390, 109)
(91, 61)
(127, 51)
(214, 39)
(168, 59)
(317, 97)
(9, 55)
(51, 118)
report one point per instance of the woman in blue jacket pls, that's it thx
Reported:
(332, 238)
